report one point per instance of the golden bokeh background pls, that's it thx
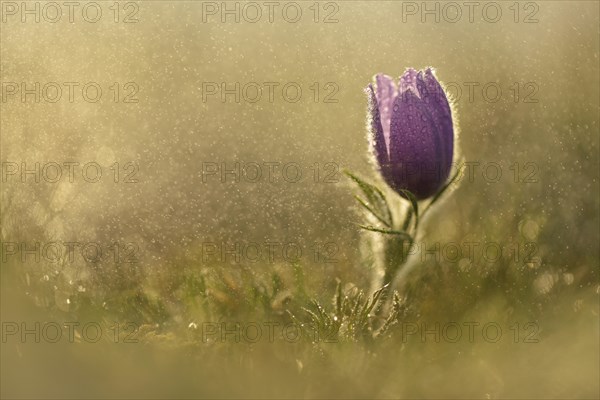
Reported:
(158, 119)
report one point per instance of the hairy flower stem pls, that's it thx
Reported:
(396, 253)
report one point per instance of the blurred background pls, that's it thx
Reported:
(178, 145)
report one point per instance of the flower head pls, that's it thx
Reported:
(412, 136)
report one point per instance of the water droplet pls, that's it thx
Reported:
(544, 283)
(568, 278)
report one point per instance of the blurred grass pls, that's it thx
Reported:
(173, 360)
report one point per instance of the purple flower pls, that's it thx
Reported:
(412, 136)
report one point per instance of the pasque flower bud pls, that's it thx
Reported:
(412, 135)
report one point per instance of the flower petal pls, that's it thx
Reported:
(386, 92)
(415, 148)
(376, 136)
(408, 81)
(437, 104)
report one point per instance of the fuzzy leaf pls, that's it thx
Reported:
(439, 194)
(443, 189)
(376, 202)
(414, 204)
(407, 219)
(366, 206)
(386, 231)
